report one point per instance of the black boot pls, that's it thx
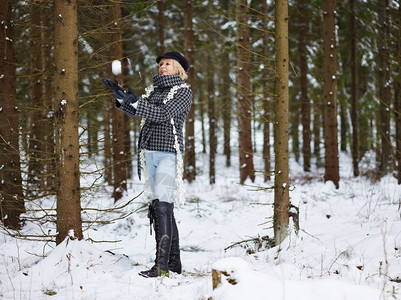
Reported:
(160, 213)
(174, 263)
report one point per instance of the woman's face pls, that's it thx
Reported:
(166, 67)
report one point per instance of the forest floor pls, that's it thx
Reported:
(348, 245)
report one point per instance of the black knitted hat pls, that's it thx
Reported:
(177, 56)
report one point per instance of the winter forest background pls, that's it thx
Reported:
(326, 87)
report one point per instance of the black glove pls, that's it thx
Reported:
(119, 92)
(128, 96)
(114, 86)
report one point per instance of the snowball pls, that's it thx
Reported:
(116, 67)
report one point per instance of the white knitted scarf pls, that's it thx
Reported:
(180, 163)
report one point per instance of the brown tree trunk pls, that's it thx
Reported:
(119, 155)
(47, 94)
(226, 108)
(11, 196)
(212, 121)
(305, 106)
(224, 87)
(266, 94)
(383, 41)
(397, 105)
(36, 139)
(281, 180)
(107, 104)
(316, 125)
(342, 111)
(330, 94)
(67, 119)
(354, 94)
(244, 94)
(189, 155)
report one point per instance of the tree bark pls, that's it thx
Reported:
(244, 94)
(189, 155)
(225, 94)
(354, 94)
(67, 119)
(397, 106)
(212, 121)
(36, 138)
(383, 41)
(305, 106)
(281, 182)
(266, 94)
(108, 102)
(11, 195)
(330, 94)
(119, 155)
(48, 94)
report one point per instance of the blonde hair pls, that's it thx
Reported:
(177, 66)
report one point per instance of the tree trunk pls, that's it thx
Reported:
(354, 94)
(224, 88)
(244, 94)
(212, 121)
(342, 110)
(383, 41)
(48, 94)
(119, 155)
(330, 93)
(317, 125)
(36, 139)
(305, 106)
(67, 109)
(266, 94)
(281, 182)
(397, 105)
(107, 104)
(11, 196)
(189, 155)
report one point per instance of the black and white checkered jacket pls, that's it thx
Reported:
(157, 132)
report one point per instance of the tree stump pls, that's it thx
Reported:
(216, 278)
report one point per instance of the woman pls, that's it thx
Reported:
(163, 108)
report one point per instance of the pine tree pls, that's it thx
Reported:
(67, 118)
(281, 180)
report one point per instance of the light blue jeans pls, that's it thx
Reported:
(161, 169)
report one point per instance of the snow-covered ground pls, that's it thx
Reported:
(348, 245)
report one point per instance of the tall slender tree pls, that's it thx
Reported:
(244, 93)
(330, 93)
(225, 93)
(354, 92)
(305, 110)
(47, 92)
(189, 40)
(119, 154)
(67, 118)
(281, 180)
(384, 85)
(36, 139)
(397, 104)
(266, 94)
(11, 195)
(212, 122)
(107, 110)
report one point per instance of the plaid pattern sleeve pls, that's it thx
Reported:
(126, 107)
